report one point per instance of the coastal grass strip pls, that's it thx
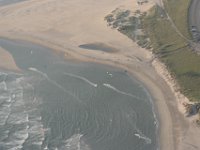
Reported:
(173, 50)
(159, 34)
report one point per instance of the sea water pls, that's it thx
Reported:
(55, 104)
(7, 2)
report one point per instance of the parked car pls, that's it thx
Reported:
(193, 29)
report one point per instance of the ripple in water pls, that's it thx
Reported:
(59, 106)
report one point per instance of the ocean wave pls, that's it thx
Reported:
(81, 78)
(14, 112)
(119, 91)
(110, 74)
(140, 135)
(16, 148)
(55, 83)
(75, 142)
(3, 86)
(18, 138)
(18, 118)
(39, 72)
(4, 114)
(156, 122)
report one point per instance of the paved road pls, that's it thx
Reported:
(194, 14)
(194, 20)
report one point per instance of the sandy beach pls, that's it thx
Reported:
(65, 25)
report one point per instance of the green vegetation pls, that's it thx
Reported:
(157, 32)
(172, 49)
(129, 24)
(178, 11)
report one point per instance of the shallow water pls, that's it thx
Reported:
(7, 2)
(62, 105)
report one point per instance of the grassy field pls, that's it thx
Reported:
(178, 11)
(172, 49)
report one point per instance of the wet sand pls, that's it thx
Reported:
(7, 61)
(58, 25)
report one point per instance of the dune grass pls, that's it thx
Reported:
(172, 49)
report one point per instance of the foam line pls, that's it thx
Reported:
(119, 91)
(3, 86)
(140, 135)
(54, 82)
(81, 78)
(35, 70)
(75, 140)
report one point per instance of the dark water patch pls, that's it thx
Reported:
(98, 47)
(27, 54)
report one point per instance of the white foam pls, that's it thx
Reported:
(73, 142)
(38, 118)
(36, 70)
(140, 135)
(82, 78)
(4, 114)
(9, 100)
(3, 86)
(37, 132)
(119, 91)
(156, 122)
(13, 96)
(37, 143)
(16, 148)
(15, 144)
(3, 97)
(110, 74)
(18, 98)
(19, 80)
(21, 136)
(36, 128)
(18, 118)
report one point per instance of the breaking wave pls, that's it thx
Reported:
(27, 128)
(75, 143)
(81, 78)
(119, 91)
(140, 135)
(55, 83)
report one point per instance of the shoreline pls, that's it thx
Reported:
(148, 82)
(175, 131)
